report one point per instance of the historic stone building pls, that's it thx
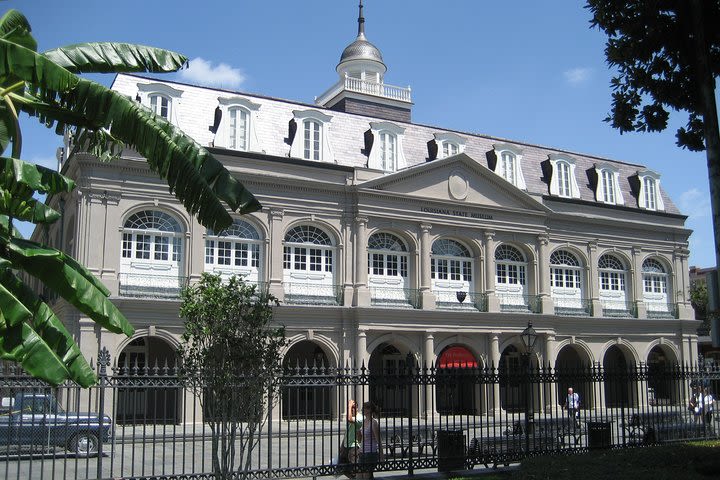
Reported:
(384, 238)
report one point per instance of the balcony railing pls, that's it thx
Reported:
(617, 309)
(573, 307)
(350, 84)
(661, 310)
(448, 300)
(394, 297)
(312, 294)
(139, 285)
(510, 302)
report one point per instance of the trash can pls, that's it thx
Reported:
(599, 434)
(450, 450)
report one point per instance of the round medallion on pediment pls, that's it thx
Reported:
(458, 185)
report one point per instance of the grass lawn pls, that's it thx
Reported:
(683, 461)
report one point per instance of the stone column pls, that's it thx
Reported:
(685, 310)
(361, 359)
(275, 278)
(429, 362)
(546, 303)
(592, 280)
(550, 355)
(637, 281)
(494, 363)
(362, 292)
(427, 297)
(492, 301)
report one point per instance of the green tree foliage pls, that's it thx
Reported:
(230, 356)
(667, 57)
(47, 86)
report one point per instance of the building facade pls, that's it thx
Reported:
(386, 240)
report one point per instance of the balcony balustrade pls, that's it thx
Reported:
(661, 310)
(312, 294)
(137, 285)
(449, 300)
(573, 307)
(618, 309)
(394, 297)
(357, 85)
(510, 302)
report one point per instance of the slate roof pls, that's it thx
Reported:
(196, 107)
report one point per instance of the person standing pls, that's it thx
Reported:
(572, 405)
(353, 435)
(371, 452)
(707, 403)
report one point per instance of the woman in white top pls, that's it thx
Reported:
(371, 451)
(707, 407)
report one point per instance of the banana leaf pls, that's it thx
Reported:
(101, 57)
(5, 233)
(40, 72)
(62, 274)
(15, 28)
(26, 209)
(50, 330)
(34, 177)
(14, 312)
(7, 128)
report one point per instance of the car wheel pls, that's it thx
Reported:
(84, 444)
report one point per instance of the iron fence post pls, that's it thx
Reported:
(103, 362)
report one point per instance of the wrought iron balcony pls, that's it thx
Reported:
(617, 309)
(661, 310)
(448, 300)
(138, 285)
(298, 293)
(394, 297)
(573, 307)
(512, 302)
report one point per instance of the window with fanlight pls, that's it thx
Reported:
(451, 270)
(612, 275)
(235, 251)
(566, 280)
(655, 286)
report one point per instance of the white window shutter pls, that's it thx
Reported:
(519, 173)
(554, 186)
(599, 191)
(574, 188)
(619, 200)
(658, 196)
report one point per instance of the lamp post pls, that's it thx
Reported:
(528, 336)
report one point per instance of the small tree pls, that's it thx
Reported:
(230, 357)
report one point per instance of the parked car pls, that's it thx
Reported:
(34, 420)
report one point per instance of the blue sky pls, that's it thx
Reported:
(523, 70)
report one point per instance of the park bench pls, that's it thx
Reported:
(512, 445)
(651, 427)
(400, 441)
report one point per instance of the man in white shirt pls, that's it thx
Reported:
(572, 404)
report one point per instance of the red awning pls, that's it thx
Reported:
(457, 357)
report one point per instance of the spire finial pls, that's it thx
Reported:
(361, 22)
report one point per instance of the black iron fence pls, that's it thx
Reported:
(139, 421)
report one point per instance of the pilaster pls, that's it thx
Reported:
(362, 292)
(275, 220)
(493, 303)
(546, 303)
(427, 297)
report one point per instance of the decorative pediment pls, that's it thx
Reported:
(459, 179)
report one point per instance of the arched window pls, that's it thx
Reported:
(566, 284)
(649, 193)
(608, 186)
(450, 260)
(151, 254)
(507, 167)
(563, 169)
(312, 146)
(655, 287)
(239, 130)
(161, 105)
(387, 256)
(308, 265)
(235, 251)
(611, 276)
(510, 266)
(449, 149)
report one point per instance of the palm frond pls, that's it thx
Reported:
(101, 57)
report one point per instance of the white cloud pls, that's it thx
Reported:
(695, 204)
(202, 72)
(576, 76)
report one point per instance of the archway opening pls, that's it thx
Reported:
(572, 370)
(148, 391)
(517, 392)
(619, 379)
(661, 363)
(306, 362)
(456, 385)
(390, 386)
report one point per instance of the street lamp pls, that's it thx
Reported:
(528, 336)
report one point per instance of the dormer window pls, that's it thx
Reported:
(311, 139)
(162, 99)
(386, 153)
(160, 105)
(608, 189)
(237, 129)
(508, 164)
(447, 145)
(562, 179)
(649, 196)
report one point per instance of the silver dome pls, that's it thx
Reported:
(361, 49)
